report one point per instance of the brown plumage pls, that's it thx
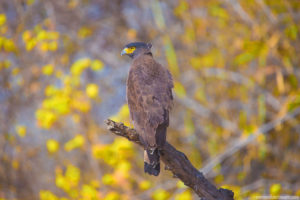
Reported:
(149, 96)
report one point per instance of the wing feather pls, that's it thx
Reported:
(149, 96)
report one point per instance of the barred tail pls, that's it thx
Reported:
(151, 161)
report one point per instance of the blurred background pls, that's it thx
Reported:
(236, 116)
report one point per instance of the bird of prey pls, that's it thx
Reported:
(149, 97)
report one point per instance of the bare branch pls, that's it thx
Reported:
(178, 164)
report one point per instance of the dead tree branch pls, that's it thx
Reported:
(178, 164)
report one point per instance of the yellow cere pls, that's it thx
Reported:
(129, 50)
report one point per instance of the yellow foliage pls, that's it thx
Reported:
(84, 32)
(189, 127)
(21, 130)
(291, 31)
(58, 103)
(186, 195)
(160, 194)
(58, 73)
(42, 35)
(275, 189)
(171, 56)
(66, 91)
(61, 182)
(181, 8)
(3, 30)
(261, 138)
(2, 39)
(79, 66)
(122, 171)
(53, 35)
(123, 147)
(88, 192)
(112, 196)
(219, 179)
(45, 118)
(189, 36)
(180, 184)
(124, 166)
(30, 2)
(77, 142)
(95, 183)
(97, 65)
(145, 185)
(6, 64)
(15, 164)
(44, 46)
(120, 150)
(46, 40)
(210, 59)
(73, 4)
(52, 145)
(48, 69)
(31, 44)
(254, 195)
(218, 11)
(200, 95)
(26, 36)
(297, 192)
(73, 193)
(37, 28)
(81, 104)
(9, 45)
(47, 195)
(122, 115)
(72, 175)
(72, 81)
(106, 153)
(131, 34)
(52, 46)
(2, 19)
(179, 89)
(51, 90)
(15, 71)
(108, 179)
(92, 90)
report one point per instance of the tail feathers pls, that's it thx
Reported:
(151, 162)
(152, 169)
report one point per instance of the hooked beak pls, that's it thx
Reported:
(124, 51)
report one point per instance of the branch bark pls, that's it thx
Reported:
(178, 164)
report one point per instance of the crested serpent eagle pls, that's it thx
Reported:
(149, 96)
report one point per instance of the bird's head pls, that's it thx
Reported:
(135, 48)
